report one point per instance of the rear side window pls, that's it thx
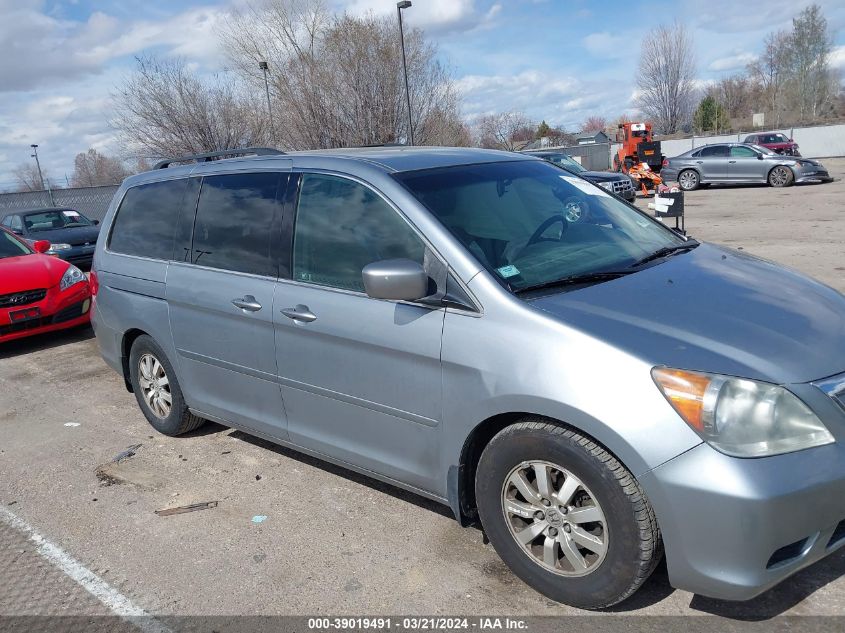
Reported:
(234, 228)
(147, 218)
(715, 150)
(341, 226)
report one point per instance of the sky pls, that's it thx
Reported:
(556, 60)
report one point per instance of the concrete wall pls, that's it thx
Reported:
(822, 141)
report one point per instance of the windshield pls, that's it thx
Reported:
(530, 225)
(565, 161)
(11, 247)
(52, 220)
(773, 138)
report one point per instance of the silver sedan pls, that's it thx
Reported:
(740, 163)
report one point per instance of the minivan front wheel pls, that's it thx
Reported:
(157, 389)
(565, 515)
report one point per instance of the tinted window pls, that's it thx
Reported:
(146, 219)
(341, 226)
(235, 223)
(16, 223)
(10, 247)
(742, 152)
(715, 150)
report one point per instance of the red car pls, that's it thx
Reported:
(38, 293)
(775, 141)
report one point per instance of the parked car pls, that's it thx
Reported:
(38, 293)
(72, 236)
(617, 183)
(594, 389)
(775, 141)
(740, 163)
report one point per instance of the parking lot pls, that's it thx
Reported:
(332, 542)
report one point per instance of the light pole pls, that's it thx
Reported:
(263, 66)
(40, 175)
(399, 6)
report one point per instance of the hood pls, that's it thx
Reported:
(602, 176)
(775, 146)
(29, 272)
(74, 236)
(716, 310)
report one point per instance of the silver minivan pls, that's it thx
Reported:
(482, 329)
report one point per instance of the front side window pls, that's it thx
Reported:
(738, 151)
(234, 224)
(11, 247)
(530, 224)
(51, 220)
(145, 222)
(341, 226)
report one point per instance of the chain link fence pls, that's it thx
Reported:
(92, 202)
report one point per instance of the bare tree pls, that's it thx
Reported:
(92, 169)
(504, 130)
(594, 124)
(735, 94)
(771, 71)
(28, 179)
(335, 79)
(163, 109)
(666, 77)
(812, 82)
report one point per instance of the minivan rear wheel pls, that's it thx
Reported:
(157, 389)
(565, 515)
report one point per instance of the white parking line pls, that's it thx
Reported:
(115, 601)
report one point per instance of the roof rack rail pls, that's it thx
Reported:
(382, 145)
(238, 151)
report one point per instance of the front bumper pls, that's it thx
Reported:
(79, 255)
(57, 311)
(733, 527)
(812, 174)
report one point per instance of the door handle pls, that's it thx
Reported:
(248, 303)
(731, 161)
(300, 313)
(700, 162)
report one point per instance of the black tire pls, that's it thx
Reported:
(633, 544)
(781, 176)
(689, 180)
(179, 420)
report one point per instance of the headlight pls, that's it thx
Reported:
(740, 417)
(606, 185)
(72, 276)
(54, 248)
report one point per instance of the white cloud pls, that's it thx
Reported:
(435, 16)
(737, 61)
(837, 57)
(607, 46)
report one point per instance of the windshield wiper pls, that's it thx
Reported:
(665, 251)
(573, 280)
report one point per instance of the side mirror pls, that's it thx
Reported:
(759, 157)
(397, 279)
(41, 246)
(95, 222)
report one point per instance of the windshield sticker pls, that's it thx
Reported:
(508, 271)
(71, 214)
(586, 187)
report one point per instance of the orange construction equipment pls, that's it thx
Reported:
(639, 154)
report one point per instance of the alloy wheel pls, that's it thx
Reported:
(688, 180)
(555, 518)
(155, 385)
(779, 177)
